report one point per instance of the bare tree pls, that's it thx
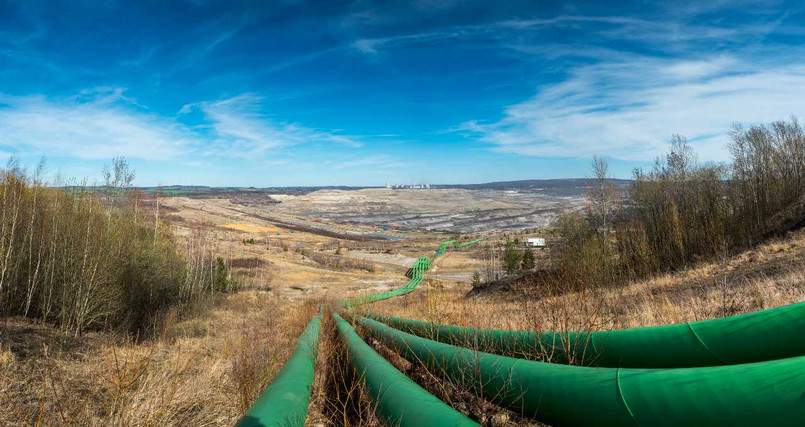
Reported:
(603, 197)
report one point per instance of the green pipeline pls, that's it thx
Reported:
(775, 333)
(471, 242)
(445, 245)
(417, 275)
(454, 243)
(400, 401)
(764, 393)
(285, 401)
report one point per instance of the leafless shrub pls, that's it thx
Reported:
(90, 258)
(683, 212)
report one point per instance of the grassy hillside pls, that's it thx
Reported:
(208, 368)
(769, 275)
(203, 370)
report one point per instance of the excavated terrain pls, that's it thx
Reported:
(456, 211)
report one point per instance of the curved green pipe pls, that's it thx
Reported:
(775, 333)
(285, 401)
(764, 393)
(400, 401)
(418, 269)
(418, 274)
(471, 242)
(443, 247)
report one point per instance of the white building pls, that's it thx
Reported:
(412, 186)
(535, 242)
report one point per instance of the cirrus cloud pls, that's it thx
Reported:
(628, 110)
(102, 123)
(97, 124)
(240, 129)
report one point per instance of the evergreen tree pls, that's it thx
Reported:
(511, 257)
(476, 279)
(528, 262)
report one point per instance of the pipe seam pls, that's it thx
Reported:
(706, 347)
(623, 398)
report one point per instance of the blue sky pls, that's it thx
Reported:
(360, 93)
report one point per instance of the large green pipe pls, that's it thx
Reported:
(764, 393)
(752, 337)
(400, 401)
(418, 274)
(285, 401)
(443, 247)
(471, 242)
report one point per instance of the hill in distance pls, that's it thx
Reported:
(556, 187)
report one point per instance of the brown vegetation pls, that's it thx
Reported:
(683, 211)
(769, 275)
(203, 370)
(84, 259)
(337, 262)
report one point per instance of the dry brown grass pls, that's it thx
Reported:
(250, 228)
(205, 370)
(771, 275)
(208, 369)
(339, 397)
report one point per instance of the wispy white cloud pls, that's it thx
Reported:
(240, 129)
(374, 45)
(628, 110)
(683, 70)
(690, 76)
(692, 8)
(103, 122)
(92, 125)
(672, 33)
(379, 161)
(205, 39)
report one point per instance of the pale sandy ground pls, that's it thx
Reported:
(288, 273)
(448, 210)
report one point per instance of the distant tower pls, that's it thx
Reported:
(388, 186)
